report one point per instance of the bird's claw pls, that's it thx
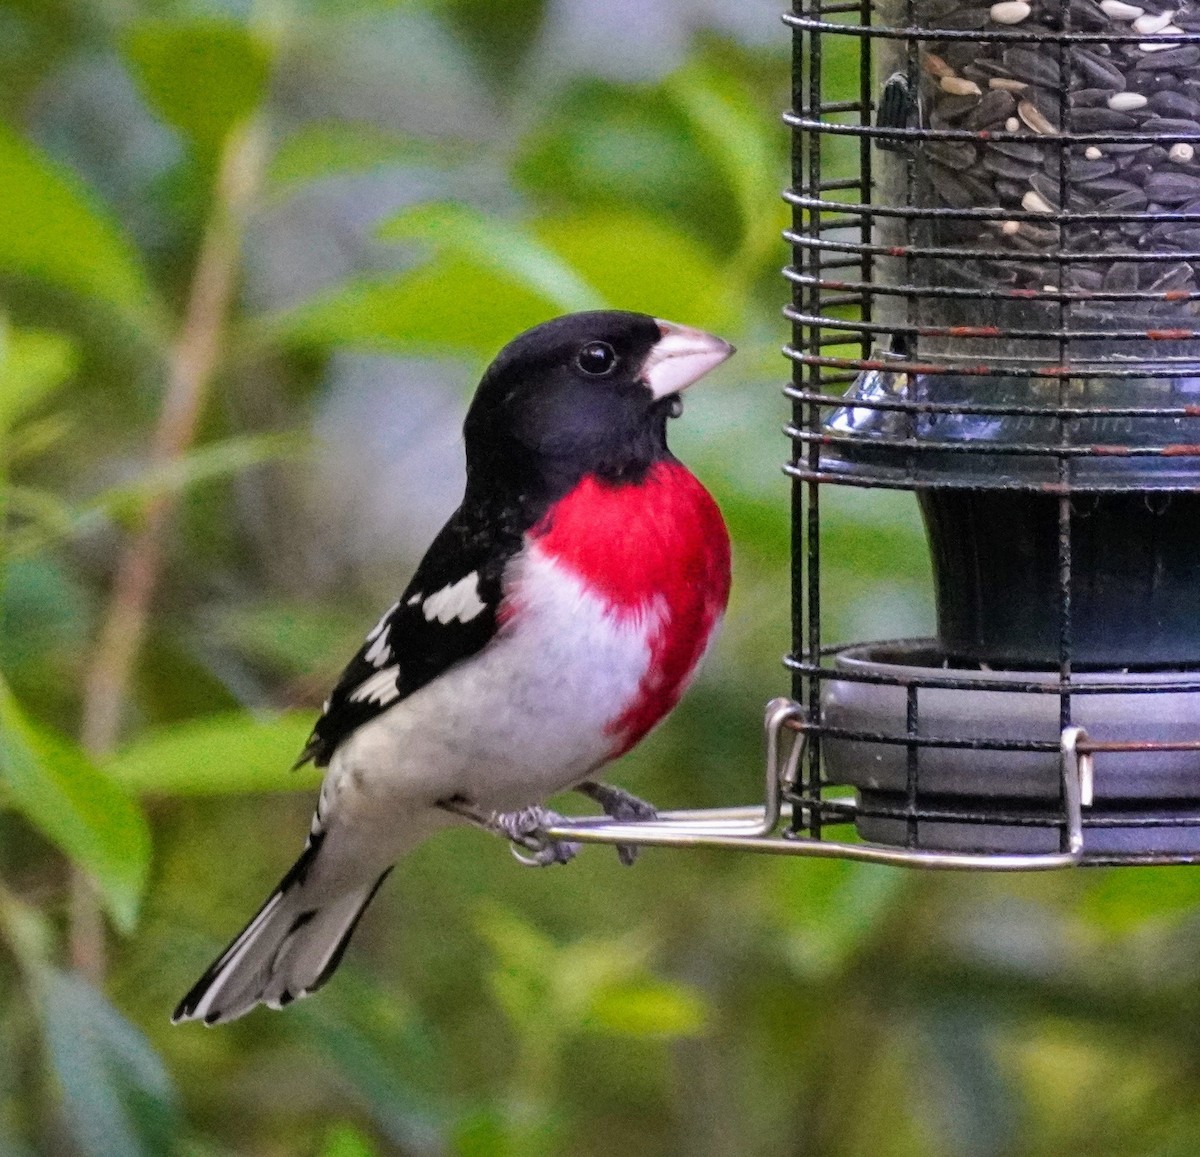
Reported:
(525, 829)
(625, 808)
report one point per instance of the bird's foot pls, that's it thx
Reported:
(525, 829)
(622, 806)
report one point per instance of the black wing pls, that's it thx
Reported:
(446, 614)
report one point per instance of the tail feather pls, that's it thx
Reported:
(290, 948)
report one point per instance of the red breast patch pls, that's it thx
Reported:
(662, 544)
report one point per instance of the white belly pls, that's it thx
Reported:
(526, 717)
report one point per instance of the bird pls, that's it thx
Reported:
(556, 618)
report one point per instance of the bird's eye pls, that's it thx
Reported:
(597, 357)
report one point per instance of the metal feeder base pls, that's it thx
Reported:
(970, 760)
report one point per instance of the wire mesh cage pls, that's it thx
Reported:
(995, 291)
(996, 230)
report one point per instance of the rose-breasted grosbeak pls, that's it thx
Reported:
(556, 618)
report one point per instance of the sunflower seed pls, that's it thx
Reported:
(959, 86)
(1127, 101)
(1013, 12)
(1033, 117)
(1120, 11)
(936, 66)
(1033, 202)
(1141, 83)
(1152, 22)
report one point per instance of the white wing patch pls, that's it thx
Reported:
(378, 652)
(377, 629)
(379, 688)
(459, 601)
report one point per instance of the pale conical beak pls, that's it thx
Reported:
(680, 357)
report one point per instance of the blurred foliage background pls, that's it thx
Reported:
(253, 258)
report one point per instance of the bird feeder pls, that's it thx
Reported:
(995, 289)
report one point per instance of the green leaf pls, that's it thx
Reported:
(734, 135)
(339, 148)
(967, 1097)
(77, 807)
(493, 280)
(117, 1096)
(370, 1063)
(203, 77)
(648, 1009)
(347, 1141)
(498, 246)
(52, 519)
(640, 263)
(229, 754)
(831, 909)
(33, 363)
(449, 307)
(203, 464)
(55, 232)
(601, 144)
(1123, 902)
(295, 638)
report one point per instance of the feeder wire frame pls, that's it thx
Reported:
(775, 826)
(836, 288)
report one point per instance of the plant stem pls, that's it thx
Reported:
(193, 362)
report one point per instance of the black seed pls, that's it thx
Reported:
(996, 105)
(1033, 66)
(1100, 120)
(1121, 277)
(1175, 104)
(1003, 166)
(965, 19)
(1184, 57)
(1090, 97)
(1083, 172)
(1018, 150)
(1046, 187)
(1171, 126)
(1171, 188)
(1085, 14)
(1132, 201)
(953, 108)
(1105, 187)
(1085, 277)
(1172, 279)
(1102, 73)
(957, 189)
(954, 154)
(1010, 191)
